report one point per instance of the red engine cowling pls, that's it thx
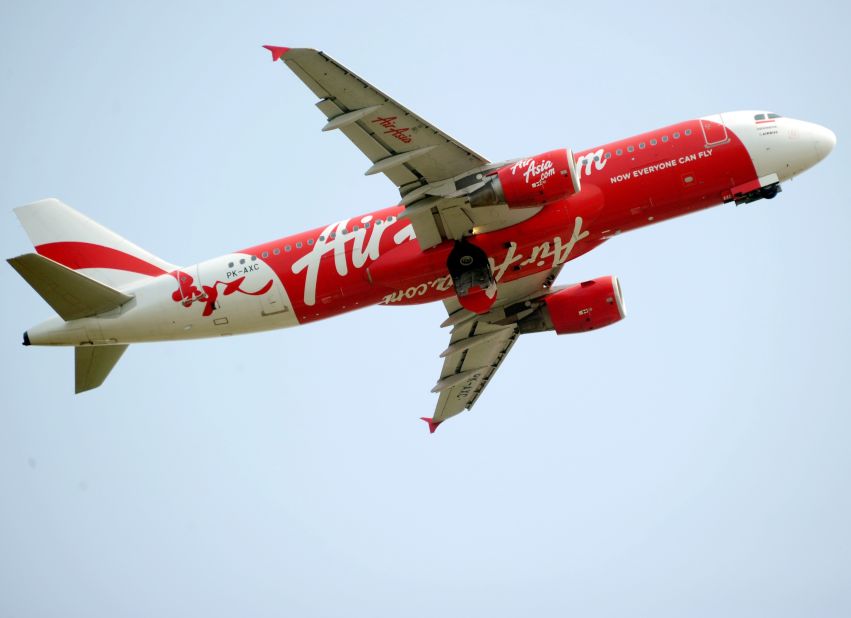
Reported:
(531, 182)
(586, 306)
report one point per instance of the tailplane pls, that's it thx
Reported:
(62, 234)
(71, 294)
(93, 363)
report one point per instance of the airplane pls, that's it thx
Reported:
(488, 239)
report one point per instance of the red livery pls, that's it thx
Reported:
(488, 239)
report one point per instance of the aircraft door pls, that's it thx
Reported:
(714, 130)
(189, 289)
(272, 302)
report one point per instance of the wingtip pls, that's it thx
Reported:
(277, 52)
(432, 424)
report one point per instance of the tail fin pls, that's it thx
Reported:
(93, 363)
(71, 294)
(70, 238)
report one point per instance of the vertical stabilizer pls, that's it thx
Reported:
(68, 237)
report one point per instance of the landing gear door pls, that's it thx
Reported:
(714, 130)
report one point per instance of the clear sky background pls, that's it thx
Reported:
(691, 460)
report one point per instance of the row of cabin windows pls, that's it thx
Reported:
(643, 145)
(310, 241)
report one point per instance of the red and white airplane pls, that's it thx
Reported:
(486, 239)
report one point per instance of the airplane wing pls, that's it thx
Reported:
(479, 343)
(432, 171)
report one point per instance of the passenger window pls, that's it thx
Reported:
(265, 254)
(378, 222)
(366, 225)
(653, 142)
(288, 248)
(619, 152)
(276, 251)
(608, 155)
(688, 131)
(355, 228)
(642, 145)
(630, 148)
(322, 238)
(664, 138)
(253, 258)
(230, 264)
(242, 261)
(676, 135)
(310, 241)
(298, 245)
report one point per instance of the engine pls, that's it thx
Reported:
(527, 183)
(577, 308)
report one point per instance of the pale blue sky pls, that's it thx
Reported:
(691, 460)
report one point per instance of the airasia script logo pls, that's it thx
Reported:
(187, 292)
(534, 173)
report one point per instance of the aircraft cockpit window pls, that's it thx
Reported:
(759, 117)
(774, 116)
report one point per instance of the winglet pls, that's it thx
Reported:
(432, 424)
(277, 52)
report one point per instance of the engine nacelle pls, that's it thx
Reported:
(527, 183)
(581, 307)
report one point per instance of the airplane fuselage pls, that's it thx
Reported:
(376, 259)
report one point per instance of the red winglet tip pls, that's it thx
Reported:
(277, 52)
(432, 424)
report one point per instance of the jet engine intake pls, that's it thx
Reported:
(527, 183)
(577, 308)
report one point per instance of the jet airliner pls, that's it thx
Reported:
(487, 239)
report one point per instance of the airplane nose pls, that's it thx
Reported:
(824, 140)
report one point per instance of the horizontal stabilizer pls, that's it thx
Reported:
(71, 294)
(92, 363)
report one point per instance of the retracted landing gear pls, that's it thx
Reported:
(768, 192)
(472, 277)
